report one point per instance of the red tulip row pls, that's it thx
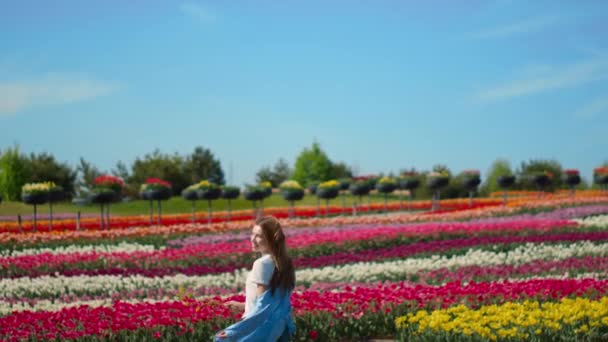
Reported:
(192, 317)
(122, 222)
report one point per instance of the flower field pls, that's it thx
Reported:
(535, 269)
(235, 219)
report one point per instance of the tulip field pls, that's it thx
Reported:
(533, 269)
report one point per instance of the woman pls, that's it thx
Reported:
(267, 315)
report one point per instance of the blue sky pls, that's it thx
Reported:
(381, 85)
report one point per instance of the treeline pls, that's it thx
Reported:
(17, 169)
(312, 165)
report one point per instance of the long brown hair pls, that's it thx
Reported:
(284, 275)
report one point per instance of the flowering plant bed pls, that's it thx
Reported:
(291, 190)
(155, 189)
(328, 190)
(386, 185)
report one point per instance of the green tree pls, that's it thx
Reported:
(202, 165)
(13, 173)
(500, 167)
(158, 165)
(538, 166)
(87, 172)
(264, 175)
(44, 168)
(85, 175)
(122, 171)
(341, 170)
(312, 164)
(281, 172)
(277, 175)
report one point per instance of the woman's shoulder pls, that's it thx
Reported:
(265, 259)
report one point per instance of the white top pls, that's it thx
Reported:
(260, 273)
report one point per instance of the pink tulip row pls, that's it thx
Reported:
(83, 321)
(142, 259)
(116, 266)
(338, 236)
(500, 225)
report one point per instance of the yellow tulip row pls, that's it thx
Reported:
(512, 320)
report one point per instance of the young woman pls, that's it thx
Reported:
(267, 309)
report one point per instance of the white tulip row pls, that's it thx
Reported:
(374, 271)
(55, 286)
(597, 221)
(566, 275)
(121, 247)
(56, 305)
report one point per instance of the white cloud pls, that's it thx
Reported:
(527, 26)
(50, 89)
(197, 11)
(551, 78)
(591, 109)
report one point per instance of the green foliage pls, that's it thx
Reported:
(341, 170)
(255, 192)
(536, 166)
(86, 174)
(455, 189)
(121, 171)
(162, 166)
(230, 192)
(177, 170)
(443, 169)
(202, 165)
(13, 173)
(44, 168)
(500, 167)
(312, 164)
(280, 173)
(264, 175)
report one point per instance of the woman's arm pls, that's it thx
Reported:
(260, 290)
(240, 305)
(235, 305)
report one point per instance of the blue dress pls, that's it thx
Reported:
(270, 320)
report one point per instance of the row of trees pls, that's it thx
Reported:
(17, 169)
(311, 166)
